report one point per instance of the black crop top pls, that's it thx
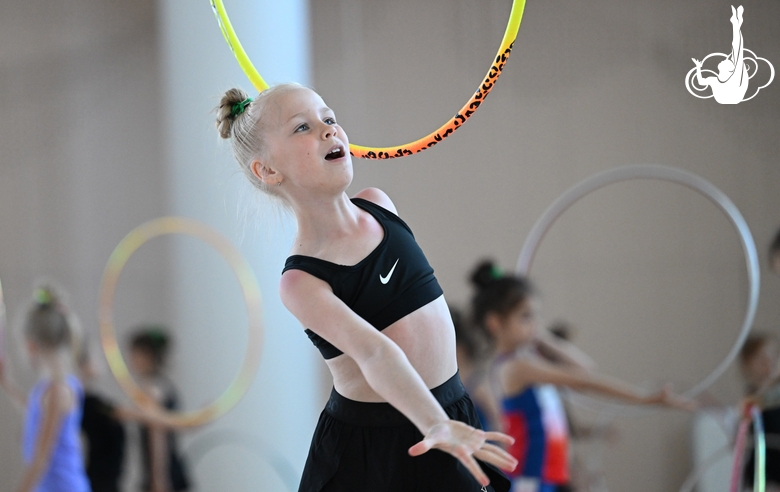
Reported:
(392, 281)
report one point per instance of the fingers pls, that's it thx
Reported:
(499, 437)
(494, 455)
(420, 448)
(471, 465)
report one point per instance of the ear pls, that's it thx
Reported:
(265, 173)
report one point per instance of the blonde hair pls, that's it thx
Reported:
(49, 324)
(245, 129)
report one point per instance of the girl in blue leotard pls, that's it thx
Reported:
(50, 444)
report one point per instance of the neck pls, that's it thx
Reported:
(504, 347)
(321, 220)
(54, 365)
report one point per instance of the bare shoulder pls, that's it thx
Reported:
(518, 373)
(59, 396)
(375, 195)
(296, 286)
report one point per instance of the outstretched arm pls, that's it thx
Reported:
(563, 352)
(56, 402)
(388, 371)
(522, 373)
(14, 393)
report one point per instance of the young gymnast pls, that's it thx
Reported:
(360, 285)
(759, 363)
(503, 307)
(50, 442)
(163, 467)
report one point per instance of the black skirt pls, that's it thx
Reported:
(360, 447)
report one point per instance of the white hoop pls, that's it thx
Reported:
(690, 180)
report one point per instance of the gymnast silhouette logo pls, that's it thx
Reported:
(735, 70)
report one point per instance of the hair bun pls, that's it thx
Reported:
(485, 274)
(225, 116)
(45, 296)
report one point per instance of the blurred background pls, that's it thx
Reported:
(107, 123)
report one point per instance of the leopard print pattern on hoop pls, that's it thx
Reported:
(507, 42)
(449, 128)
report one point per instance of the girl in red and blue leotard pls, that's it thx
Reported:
(524, 382)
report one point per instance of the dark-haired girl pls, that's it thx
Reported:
(503, 306)
(164, 468)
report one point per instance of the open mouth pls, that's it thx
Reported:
(335, 153)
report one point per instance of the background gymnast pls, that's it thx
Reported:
(51, 446)
(504, 308)
(367, 296)
(759, 364)
(164, 468)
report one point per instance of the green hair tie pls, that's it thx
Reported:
(239, 107)
(496, 273)
(42, 297)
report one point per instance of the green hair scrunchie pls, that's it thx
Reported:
(239, 107)
(42, 297)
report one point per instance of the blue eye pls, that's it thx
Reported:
(330, 121)
(302, 127)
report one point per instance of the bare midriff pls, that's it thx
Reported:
(426, 336)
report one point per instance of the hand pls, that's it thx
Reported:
(667, 398)
(467, 443)
(747, 404)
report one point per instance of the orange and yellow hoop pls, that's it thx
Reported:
(426, 142)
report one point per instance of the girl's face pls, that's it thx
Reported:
(33, 352)
(760, 368)
(518, 327)
(142, 362)
(308, 152)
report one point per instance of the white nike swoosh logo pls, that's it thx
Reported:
(385, 280)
